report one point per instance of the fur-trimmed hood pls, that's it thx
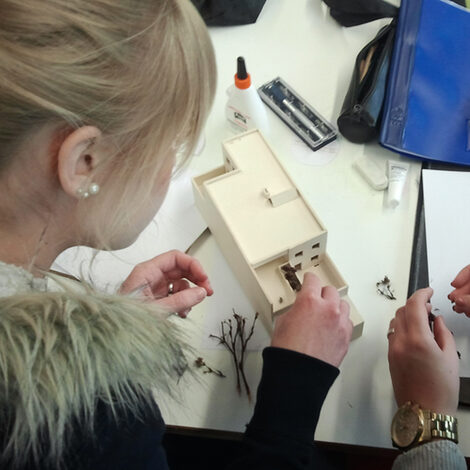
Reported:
(61, 352)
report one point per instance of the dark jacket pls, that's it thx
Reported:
(81, 371)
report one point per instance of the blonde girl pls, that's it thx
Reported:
(99, 101)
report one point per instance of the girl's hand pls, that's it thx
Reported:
(318, 323)
(460, 296)
(166, 279)
(424, 364)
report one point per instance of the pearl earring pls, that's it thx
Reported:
(82, 194)
(94, 189)
(91, 191)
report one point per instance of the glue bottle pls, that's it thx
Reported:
(244, 109)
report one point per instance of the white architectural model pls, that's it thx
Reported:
(261, 223)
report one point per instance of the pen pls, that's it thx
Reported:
(278, 95)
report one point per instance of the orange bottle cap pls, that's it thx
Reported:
(243, 83)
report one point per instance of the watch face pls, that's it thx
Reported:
(406, 427)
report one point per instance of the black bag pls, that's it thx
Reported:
(361, 113)
(355, 12)
(229, 12)
(359, 120)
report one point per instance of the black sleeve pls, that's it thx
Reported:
(290, 396)
(128, 441)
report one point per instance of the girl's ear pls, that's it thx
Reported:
(77, 157)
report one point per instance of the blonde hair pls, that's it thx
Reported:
(142, 71)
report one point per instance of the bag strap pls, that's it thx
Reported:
(355, 12)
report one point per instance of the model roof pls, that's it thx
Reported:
(248, 196)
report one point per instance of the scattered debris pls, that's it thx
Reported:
(384, 288)
(233, 336)
(291, 277)
(199, 362)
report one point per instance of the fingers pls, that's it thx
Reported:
(176, 264)
(344, 308)
(444, 338)
(417, 312)
(462, 277)
(412, 318)
(181, 302)
(168, 267)
(317, 325)
(391, 330)
(400, 321)
(330, 294)
(314, 298)
(461, 291)
(178, 286)
(312, 290)
(462, 304)
(460, 296)
(311, 285)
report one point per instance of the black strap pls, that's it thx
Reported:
(355, 12)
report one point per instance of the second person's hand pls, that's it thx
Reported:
(424, 365)
(317, 324)
(460, 296)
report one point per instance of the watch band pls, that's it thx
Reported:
(413, 426)
(442, 426)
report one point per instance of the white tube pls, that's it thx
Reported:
(397, 172)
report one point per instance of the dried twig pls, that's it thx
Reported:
(199, 362)
(233, 337)
(384, 288)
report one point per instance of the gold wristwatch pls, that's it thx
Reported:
(412, 426)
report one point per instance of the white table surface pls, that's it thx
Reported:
(298, 41)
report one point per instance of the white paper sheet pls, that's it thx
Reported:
(447, 218)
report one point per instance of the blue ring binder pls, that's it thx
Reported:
(427, 104)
